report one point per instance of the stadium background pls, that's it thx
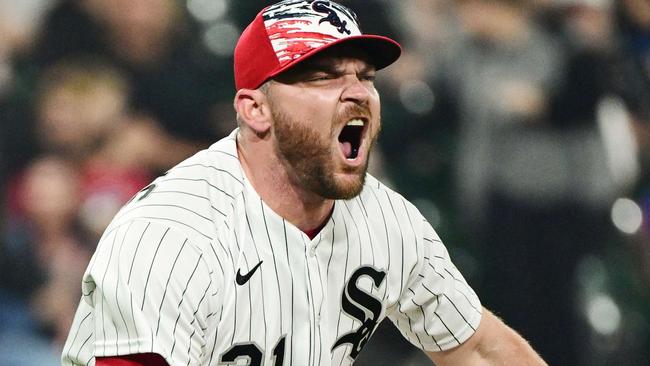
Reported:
(509, 123)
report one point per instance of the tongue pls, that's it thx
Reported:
(346, 147)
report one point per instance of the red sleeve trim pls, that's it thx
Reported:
(140, 359)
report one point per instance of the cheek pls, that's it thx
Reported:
(375, 102)
(375, 110)
(317, 114)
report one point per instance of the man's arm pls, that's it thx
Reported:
(494, 343)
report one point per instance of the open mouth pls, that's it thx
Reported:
(350, 138)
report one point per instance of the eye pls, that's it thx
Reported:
(321, 77)
(367, 77)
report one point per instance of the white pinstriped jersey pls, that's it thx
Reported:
(199, 270)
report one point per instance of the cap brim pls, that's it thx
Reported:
(382, 51)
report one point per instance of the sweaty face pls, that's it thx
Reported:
(326, 117)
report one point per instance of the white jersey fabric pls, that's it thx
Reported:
(199, 270)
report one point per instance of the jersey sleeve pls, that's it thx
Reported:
(140, 359)
(150, 289)
(437, 310)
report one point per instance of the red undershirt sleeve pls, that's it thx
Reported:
(140, 359)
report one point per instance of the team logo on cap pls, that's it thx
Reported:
(332, 17)
(295, 27)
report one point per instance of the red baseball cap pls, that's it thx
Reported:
(291, 31)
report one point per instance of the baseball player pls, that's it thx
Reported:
(274, 246)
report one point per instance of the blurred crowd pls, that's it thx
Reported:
(520, 128)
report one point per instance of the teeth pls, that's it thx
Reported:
(355, 122)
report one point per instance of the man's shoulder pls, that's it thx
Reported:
(215, 168)
(384, 197)
(194, 195)
(374, 187)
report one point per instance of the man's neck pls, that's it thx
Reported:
(270, 179)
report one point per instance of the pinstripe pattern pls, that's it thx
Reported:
(163, 278)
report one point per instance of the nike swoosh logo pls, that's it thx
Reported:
(241, 280)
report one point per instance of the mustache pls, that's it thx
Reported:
(355, 110)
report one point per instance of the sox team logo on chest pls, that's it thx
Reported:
(358, 304)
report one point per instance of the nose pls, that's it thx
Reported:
(356, 91)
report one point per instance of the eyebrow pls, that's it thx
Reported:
(333, 67)
(325, 65)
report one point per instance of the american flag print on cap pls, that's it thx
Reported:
(290, 31)
(297, 27)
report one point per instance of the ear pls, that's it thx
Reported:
(253, 110)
